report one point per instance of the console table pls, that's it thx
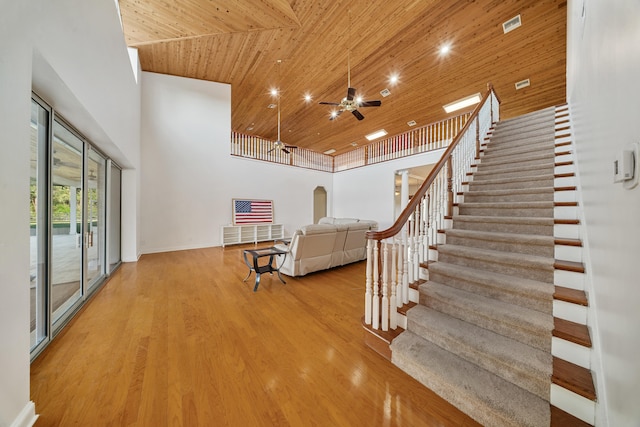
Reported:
(270, 267)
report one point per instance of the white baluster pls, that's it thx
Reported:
(385, 287)
(367, 286)
(393, 302)
(376, 297)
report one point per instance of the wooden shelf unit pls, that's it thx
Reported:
(250, 233)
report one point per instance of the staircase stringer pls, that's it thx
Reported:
(571, 342)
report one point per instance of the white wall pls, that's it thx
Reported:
(603, 90)
(368, 192)
(74, 54)
(188, 176)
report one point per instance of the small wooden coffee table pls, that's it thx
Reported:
(270, 267)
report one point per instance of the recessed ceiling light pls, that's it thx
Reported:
(274, 92)
(330, 151)
(375, 135)
(511, 24)
(354, 144)
(393, 79)
(462, 103)
(334, 114)
(385, 92)
(412, 123)
(522, 84)
(307, 97)
(271, 106)
(445, 49)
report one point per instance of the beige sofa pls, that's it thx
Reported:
(330, 243)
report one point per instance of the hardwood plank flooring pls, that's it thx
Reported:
(178, 339)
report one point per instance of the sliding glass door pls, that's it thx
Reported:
(68, 194)
(67, 209)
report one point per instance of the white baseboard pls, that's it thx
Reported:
(27, 416)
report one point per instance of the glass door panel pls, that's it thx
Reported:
(38, 220)
(95, 223)
(66, 216)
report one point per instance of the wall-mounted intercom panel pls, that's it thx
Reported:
(626, 168)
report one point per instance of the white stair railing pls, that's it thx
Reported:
(395, 255)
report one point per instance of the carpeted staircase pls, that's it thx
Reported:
(482, 331)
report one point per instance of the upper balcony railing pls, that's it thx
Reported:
(426, 138)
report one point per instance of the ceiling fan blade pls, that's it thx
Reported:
(328, 103)
(351, 92)
(358, 115)
(270, 150)
(286, 151)
(370, 103)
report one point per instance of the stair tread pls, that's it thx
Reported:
(487, 347)
(528, 204)
(574, 378)
(501, 237)
(574, 296)
(498, 256)
(504, 318)
(486, 397)
(534, 288)
(509, 191)
(506, 180)
(560, 418)
(571, 331)
(505, 219)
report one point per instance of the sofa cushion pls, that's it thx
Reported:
(326, 220)
(344, 220)
(318, 229)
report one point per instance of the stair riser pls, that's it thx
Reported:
(524, 148)
(478, 185)
(500, 293)
(510, 162)
(526, 197)
(515, 171)
(510, 247)
(530, 336)
(521, 375)
(465, 209)
(533, 272)
(541, 230)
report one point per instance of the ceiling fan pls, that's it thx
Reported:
(350, 102)
(279, 145)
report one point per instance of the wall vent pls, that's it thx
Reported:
(385, 92)
(511, 24)
(522, 84)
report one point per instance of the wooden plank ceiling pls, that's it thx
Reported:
(241, 42)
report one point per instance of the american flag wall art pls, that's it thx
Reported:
(252, 211)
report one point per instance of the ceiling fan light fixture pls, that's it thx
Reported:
(377, 134)
(462, 103)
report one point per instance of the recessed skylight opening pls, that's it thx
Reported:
(375, 135)
(522, 84)
(462, 103)
(385, 92)
(411, 123)
(511, 24)
(330, 151)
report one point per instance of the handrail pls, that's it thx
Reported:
(395, 255)
(415, 200)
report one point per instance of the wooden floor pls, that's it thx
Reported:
(178, 339)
